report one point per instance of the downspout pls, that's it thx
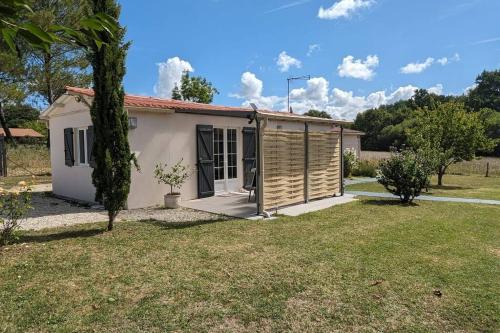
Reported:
(341, 160)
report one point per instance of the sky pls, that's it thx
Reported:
(359, 54)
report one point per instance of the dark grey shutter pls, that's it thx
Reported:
(248, 155)
(90, 146)
(69, 156)
(205, 157)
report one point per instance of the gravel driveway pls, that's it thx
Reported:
(51, 212)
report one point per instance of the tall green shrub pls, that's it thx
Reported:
(405, 174)
(111, 151)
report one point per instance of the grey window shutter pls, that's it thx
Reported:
(90, 146)
(69, 156)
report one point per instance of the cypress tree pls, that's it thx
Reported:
(111, 151)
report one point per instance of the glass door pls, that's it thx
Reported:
(225, 160)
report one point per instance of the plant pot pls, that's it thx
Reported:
(172, 200)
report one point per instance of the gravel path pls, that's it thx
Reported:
(51, 212)
(426, 198)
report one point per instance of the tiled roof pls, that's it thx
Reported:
(22, 132)
(170, 104)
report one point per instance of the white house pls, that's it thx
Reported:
(296, 158)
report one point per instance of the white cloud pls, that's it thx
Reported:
(446, 61)
(285, 61)
(437, 89)
(316, 95)
(417, 67)
(312, 49)
(170, 74)
(357, 68)
(343, 8)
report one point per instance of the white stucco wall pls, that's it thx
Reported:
(353, 141)
(167, 138)
(72, 182)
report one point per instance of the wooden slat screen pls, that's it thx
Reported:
(283, 168)
(324, 164)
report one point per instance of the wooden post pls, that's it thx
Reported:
(487, 169)
(306, 163)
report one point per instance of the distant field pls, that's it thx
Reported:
(27, 160)
(476, 167)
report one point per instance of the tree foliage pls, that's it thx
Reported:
(449, 134)
(318, 114)
(64, 64)
(194, 89)
(486, 94)
(111, 151)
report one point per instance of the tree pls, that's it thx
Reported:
(16, 115)
(194, 89)
(491, 122)
(12, 88)
(487, 92)
(450, 134)
(16, 27)
(318, 114)
(64, 64)
(111, 151)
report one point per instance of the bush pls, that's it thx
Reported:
(405, 174)
(175, 177)
(14, 206)
(350, 161)
(366, 169)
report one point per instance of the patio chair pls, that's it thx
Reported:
(251, 183)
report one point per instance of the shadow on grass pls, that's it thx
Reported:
(181, 225)
(388, 202)
(72, 234)
(447, 187)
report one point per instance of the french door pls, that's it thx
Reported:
(225, 160)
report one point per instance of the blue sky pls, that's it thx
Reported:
(359, 53)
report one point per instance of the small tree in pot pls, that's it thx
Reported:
(175, 177)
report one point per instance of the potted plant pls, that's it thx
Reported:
(175, 177)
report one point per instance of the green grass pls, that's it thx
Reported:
(478, 187)
(371, 265)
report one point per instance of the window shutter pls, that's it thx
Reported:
(90, 146)
(69, 156)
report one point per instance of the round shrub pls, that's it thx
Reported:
(405, 174)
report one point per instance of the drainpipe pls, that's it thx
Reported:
(341, 160)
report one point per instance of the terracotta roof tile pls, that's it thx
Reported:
(22, 132)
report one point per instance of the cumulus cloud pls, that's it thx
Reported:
(357, 68)
(446, 61)
(343, 8)
(341, 104)
(417, 67)
(312, 49)
(285, 61)
(170, 74)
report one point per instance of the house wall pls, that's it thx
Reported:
(72, 182)
(167, 138)
(352, 141)
(159, 137)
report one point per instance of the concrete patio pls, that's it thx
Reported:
(237, 205)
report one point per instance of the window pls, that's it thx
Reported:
(218, 153)
(232, 170)
(81, 146)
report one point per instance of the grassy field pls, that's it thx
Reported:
(479, 187)
(27, 160)
(430, 267)
(475, 167)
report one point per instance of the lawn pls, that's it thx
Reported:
(429, 267)
(472, 186)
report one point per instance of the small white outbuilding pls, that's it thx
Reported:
(293, 158)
